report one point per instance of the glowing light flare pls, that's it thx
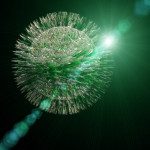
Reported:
(109, 41)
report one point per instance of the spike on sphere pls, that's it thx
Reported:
(58, 59)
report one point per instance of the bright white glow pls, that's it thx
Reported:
(109, 41)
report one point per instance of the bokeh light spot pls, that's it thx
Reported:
(45, 104)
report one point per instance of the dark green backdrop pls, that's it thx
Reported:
(122, 119)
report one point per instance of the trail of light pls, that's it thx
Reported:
(21, 128)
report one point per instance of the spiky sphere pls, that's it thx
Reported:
(58, 59)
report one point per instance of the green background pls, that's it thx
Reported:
(122, 119)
